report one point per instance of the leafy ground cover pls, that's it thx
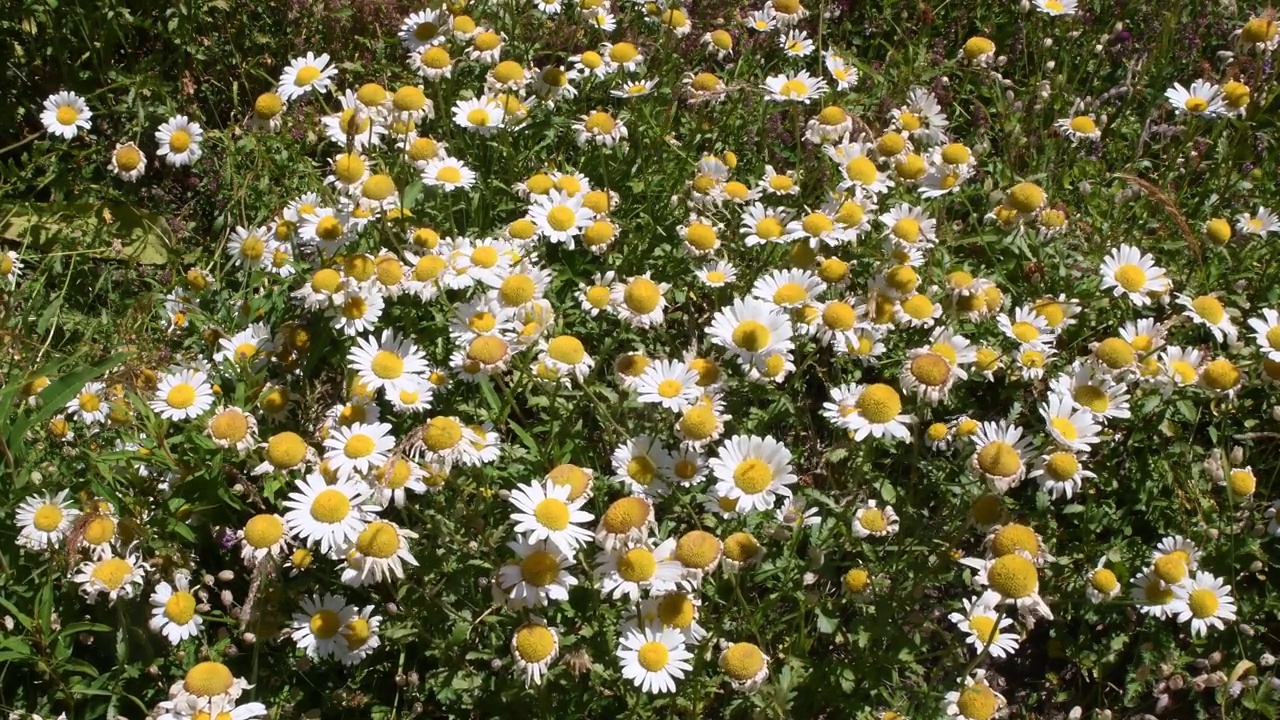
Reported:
(577, 358)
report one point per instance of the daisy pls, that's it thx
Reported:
(600, 128)
(1204, 99)
(353, 126)
(448, 173)
(1220, 376)
(389, 363)
(800, 87)
(446, 441)
(1206, 601)
(248, 711)
(621, 56)
(751, 330)
(559, 217)
(1101, 584)
(1056, 7)
(423, 28)
(268, 113)
(356, 449)
(537, 578)
(639, 464)
(1000, 455)
(795, 44)
(1260, 223)
(304, 75)
(65, 114)
(127, 162)
(877, 412)
(1060, 473)
(761, 224)
(979, 51)
(1127, 271)
(1014, 579)
(699, 425)
(634, 88)
(625, 522)
(1266, 333)
(638, 568)
(117, 577)
(981, 623)
(1079, 128)
(1094, 391)
(745, 666)
(640, 301)
(669, 383)
(654, 659)
(1208, 311)
(1153, 596)
(378, 554)
(908, 226)
(360, 637)
(179, 141)
(534, 646)
(872, 521)
(1070, 426)
(263, 535)
(43, 520)
(481, 115)
(317, 629)
(1028, 328)
(921, 118)
(762, 20)
(182, 394)
(844, 75)
(976, 700)
(929, 376)
(357, 310)
(717, 274)
(173, 610)
(754, 471)
(210, 687)
(329, 517)
(89, 404)
(546, 513)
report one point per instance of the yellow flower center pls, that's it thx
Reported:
(598, 296)
(1024, 331)
(330, 506)
(285, 450)
(349, 168)
(1195, 104)
(181, 396)
(873, 520)
(67, 115)
(128, 158)
(902, 278)
(1115, 353)
(1221, 375)
(653, 656)
(598, 233)
(794, 88)
(179, 141)
(1062, 466)
(508, 71)
(600, 123)
(956, 154)
(909, 121)
(625, 514)
(976, 47)
(642, 295)
(930, 369)
(540, 568)
(999, 458)
(918, 306)
(325, 624)
(753, 476)
(742, 661)
(979, 702)
(986, 509)
(889, 144)
(623, 52)
(1013, 576)
(1171, 568)
(879, 403)
(47, 518)
(701, 236)
(751, 335)
(180, 607)
(1203, 603)
(112, 572)
(1084, 125)
(642, 470)
(1026, 197)
(534, 643)
(487, 349)
(1258, 30)
(741, 547)
(1209, 308)
(1013, 537)
(263, 531)
(856, 581)
(1104, 581)
(1242, 483)
(697, 549)
(378, 540)
(450, 173)
(911, 167)
(861, 170)
(208, 679)
(637, 565)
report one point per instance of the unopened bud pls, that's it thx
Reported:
(1048, 42)
(227, 576)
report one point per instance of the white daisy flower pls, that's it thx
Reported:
(182, 394)
(173, 610)
(360, 637)
(43, 520)
(1266, 333)
(388, 363)
(378, 554)
(534, 646)
(357, 449)
(90, 404)
(671, 384)
(329, 517)
(263, 535)
(639, 464)
(1070, 426)
(1127, 271)
(127, 162)
(311, 73)
(800, 87)
(1203, 99)
(317, 629)
(638, 569)
(65, 114)
(1000, 454)
(982, 623)
(116, 577)
(751, 330)
(754, 471)
(654, 659)
(179, 141)
(1209, 311)
(537, 578)
(546, 513)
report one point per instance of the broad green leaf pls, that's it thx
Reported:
(144, 237)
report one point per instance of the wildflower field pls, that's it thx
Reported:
(623, 359)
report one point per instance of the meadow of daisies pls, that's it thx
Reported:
(608, 358)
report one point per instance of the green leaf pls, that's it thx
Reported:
(23, 619)
(143, 236)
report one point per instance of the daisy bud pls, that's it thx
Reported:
(1024, 6)
(1162, 703)
(8, 623)
(231, 651)
(227, 576)
(37, 477)
(393, 609)
(1104, 715)
(1247, 629)
(1050, 66)
(1176, 683)
(816, 557)
(239, 489)
(495, 664)
(248, 638)
(207, 579)
(55, 622)
(204, 607)
(412, 679)
(1048, 43)
(1076, 713)
(1200, 664)
(1275, 413)
(1215, 658)
(1008, 96)
(1267, 660)
(400, 680)
(1000, 61)
(1256, 566)
(227, 598)
(153, 670)
(945, 80)
(1085, 187)
(1074, 34)
(1215, 679)
(180, 655)
(504, 494)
